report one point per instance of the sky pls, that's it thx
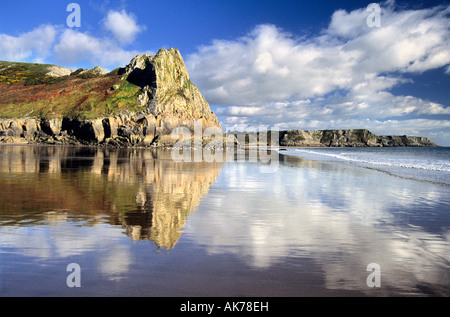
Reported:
(289, 64)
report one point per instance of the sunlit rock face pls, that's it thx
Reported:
(143, 191)
(167, 91)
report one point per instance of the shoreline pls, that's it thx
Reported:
(404, 169)
(246, 147)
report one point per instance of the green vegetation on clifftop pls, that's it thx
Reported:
(32, 90)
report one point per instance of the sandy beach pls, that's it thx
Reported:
(139, 224)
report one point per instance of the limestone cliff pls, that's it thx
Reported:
(139, 104)
(347, 138)
(167, 91)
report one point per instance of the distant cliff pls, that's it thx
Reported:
(330, 138)
(347, 138)
(138, 104)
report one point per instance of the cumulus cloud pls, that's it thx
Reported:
(270, 58)
(74, 46)
(343, 75)
(37, 43)
(123, 25)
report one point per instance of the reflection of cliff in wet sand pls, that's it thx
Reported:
(144, 191)
(169, 192)
(136, 105)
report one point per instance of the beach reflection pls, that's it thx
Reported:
(311, 228)
(343, 218)
(144, 192)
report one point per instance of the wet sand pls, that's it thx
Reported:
(139, 224)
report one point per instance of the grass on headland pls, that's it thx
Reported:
(26, 91)
(20, 74)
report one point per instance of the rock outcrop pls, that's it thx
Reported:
(97, 70)
(58, 71)
(347, 138)
(157, 87)
(167, 91)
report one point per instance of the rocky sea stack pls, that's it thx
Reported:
(137, 105)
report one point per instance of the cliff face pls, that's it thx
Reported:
(139, 104)
(167, 91)
(347, 138)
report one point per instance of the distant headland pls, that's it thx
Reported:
(332, 138)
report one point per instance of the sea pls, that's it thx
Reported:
(346, 222)
(428, 164)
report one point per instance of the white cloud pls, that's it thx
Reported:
(274, 66)
(74, 47)
(37, 42)
(348, 25)
(405, 40)
(341, 76)
(123, 25)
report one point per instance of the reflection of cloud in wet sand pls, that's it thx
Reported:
(339, 217)
(66, 240)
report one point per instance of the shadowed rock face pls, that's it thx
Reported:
(167, 99)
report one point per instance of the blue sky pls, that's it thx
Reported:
(286, 64)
